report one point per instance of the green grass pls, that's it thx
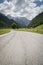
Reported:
(38, 29)
(3, 31)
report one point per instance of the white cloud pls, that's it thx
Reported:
(41, 0)
(26, 8)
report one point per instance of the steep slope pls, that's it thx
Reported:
(38, 20)
(5, 21)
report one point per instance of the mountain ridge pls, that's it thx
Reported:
(38, 20)
(5, 21)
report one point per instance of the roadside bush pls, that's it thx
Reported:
(14, 25)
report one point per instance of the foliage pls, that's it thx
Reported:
(38, 20)
(14, 25)
(3, 31)
(38, 29)
(5, 22)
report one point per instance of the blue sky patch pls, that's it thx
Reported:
(39, 3)
(1, 1)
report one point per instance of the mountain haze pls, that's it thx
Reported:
(22, 21)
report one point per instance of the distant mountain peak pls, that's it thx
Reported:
(22, 21)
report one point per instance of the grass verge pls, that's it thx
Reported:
(38, 29)
(3, 31)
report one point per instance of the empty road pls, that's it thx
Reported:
(21, 48)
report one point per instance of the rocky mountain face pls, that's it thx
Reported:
(22, 21)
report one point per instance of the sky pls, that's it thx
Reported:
(21, 8)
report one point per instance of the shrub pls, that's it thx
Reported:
(14, 25)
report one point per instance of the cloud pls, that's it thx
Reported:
(41, 0)
(21, 8)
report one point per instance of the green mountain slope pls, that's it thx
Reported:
(5, 22)
(38, 20)
(39, 27)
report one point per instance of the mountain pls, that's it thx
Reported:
(22, 21)
(5, 21)
(38, 20)
(9, 16)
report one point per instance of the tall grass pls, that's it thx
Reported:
(3, 31)
(38, 29)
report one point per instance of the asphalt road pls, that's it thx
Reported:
(21, 48)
